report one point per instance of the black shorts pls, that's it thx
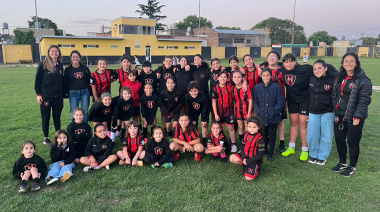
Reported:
(284, 114)
(251, 170)
(136, 111)
(300, 108)
(175, 117)
(229, 120)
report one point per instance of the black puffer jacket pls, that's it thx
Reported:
(360, 97)
(320, 91)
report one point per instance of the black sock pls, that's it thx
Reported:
(241, 137)
(122, 133)
(170, 133)
(140, 127)
(36, 180)
(282, 142)
(236, 127)
(118, 127)
(204, 140)
(145, 132)
(23, 182)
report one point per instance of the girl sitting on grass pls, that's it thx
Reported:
(62, 155)
(158, 153)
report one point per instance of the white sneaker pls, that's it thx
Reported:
(88, 168)
(51, 180)
(233, 149)
(107, 167)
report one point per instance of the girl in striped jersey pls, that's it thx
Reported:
(252, 71)
(122, 73)
(101, 80)
(217, 143)
(253, 149)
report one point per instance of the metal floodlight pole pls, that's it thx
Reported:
(38, 34)
(294, 16)
(199, 19)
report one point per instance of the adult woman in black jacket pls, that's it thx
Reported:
(320, 128)
(49, 89)
(351, 96)
(77, 84)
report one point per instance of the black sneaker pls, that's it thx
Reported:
(35, 187)
(312, 160)
(47, 141)
(320, 162)
(213, 157)
(224, 160)
(339, 167)
(348, 172)
(281, 148)
(88, 168)
(22, 188)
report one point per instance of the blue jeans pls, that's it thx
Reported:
(320, 131)
(56, 171)
(84, 96)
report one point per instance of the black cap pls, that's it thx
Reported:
(146, 63)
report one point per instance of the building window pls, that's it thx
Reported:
(172, 47)
(91, 46)
(248, 41)
(189, 47)
(66, 45)
(114, 46)
(137, 44)
(161, 47)
(136, 30)
(238, 40)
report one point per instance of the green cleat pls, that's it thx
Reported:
(304, 156)
(288, 152)
(168, 165)
(153, 166)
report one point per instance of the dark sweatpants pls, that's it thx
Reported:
(270, 138)
(55, 104)
(353, 134)
(152, 161)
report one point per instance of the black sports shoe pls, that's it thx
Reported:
(348, 172)
(312, 160)
(339, 167)
(213, 157)
(35, 187)
(281, 148)
(22, 187)
(224, 160)
(47, 141)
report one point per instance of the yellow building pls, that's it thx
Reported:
(130, 36)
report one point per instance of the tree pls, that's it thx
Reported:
(192, 21)
(321, 36)
(45, 24)
(152, 9)
(281, 30)
(24, 37)
(229, 28)
(369, 41)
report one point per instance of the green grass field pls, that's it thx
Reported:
(287, 184)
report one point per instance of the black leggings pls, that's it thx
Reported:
(270, 138)
(343, 129)
(48, 104)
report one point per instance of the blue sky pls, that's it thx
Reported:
(338, 17)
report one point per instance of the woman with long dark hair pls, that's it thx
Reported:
(49, 89)
(77, 84)
(351, 96)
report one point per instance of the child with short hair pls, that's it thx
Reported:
(222, 105)
(133, 146)
(149, 105)
(186, 138)
(79, 133)
(268, 105)
(101, 112)
(171, 102)
(99, 150)
(197, 104)
(215, 70)
(123, 72)
(183, 75)
(201, 73)
(135, 88)
(253, 149)
(62, 155)
(101, 79)
(29, 165)
(217, 143)
(242, 102)
(148, 76)
(122, 112)
(158, 153)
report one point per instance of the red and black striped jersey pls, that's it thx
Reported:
(224, 101)
(253, 148)
(183, 135)
(252, 77)
(241, 100)
(102, 82)
(133, 144)
(278, 78)
(216, 141)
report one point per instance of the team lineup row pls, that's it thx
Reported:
(337, 102)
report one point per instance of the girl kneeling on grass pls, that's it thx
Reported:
(253, 149)
(186, 138)
(217, 142)
(29, 165)
(158, 153)
(133, 146)
(62, 155)
(99, 150)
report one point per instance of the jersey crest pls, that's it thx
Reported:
(148, 80)
(158, 151)
(150, 104)
(351, 85)
(196, 105)
(106, 111)
(78, 75)
(79, 131)
(327, 87)
(215, 77)
(125, 108)
(290, 79)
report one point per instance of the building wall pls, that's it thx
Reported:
(363, 51)
(218, 52)
(129, 21)
(212, 36)
(321, 52)
(241, 51)
(14, 53)
(265, 51)
(303, 51)
(285, 51)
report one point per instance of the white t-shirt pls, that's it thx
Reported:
(305, 58)
(137, 61)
